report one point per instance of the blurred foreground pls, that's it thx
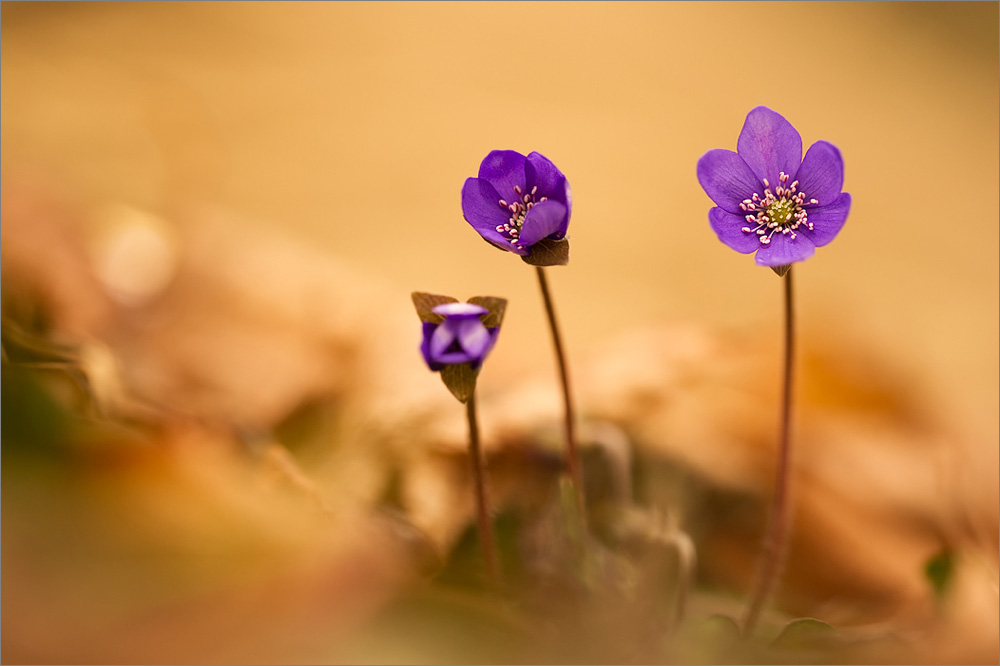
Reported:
(201, 468)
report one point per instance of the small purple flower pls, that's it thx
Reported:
(769, 198)
(517, 201)
(460, 338)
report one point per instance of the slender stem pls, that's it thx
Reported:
(572, 452)
(776, 538)
(482, 499)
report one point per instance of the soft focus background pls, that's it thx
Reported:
(216, 213)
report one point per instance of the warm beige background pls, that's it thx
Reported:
(353, 125)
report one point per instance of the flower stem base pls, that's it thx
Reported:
(776, 537)
(479, 482)
(572, 451)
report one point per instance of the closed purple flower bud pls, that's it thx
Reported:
(769, 199)
(517, 201)
(460, 338)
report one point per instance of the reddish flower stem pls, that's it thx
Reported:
(483, 512)
(776, 538)
(572, 452)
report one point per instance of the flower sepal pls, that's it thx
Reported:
(548, 252)
(425, 304)
(495, 306)
(781, 270)
(460, 380)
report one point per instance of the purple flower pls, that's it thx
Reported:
(517, 201)
(460, 338)
(769, 198)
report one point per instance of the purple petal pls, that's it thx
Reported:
(504, 169)
(827, 221)
(455, 357)
(821, 175)
(481, 205)
(543, 220)
(481, 208)
(569, 204)
(473, 337)
(441, 339)
(729, 229)
(425, 346)
(727, 179)
(542, 173)
(521, 251)
(459, 310)
(769, 145)
(784, 250)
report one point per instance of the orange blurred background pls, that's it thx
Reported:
(352, 126)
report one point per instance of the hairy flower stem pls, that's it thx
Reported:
(572, 452)
(776, 539)
(486, 539)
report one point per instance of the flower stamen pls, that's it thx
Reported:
(780, 211)
(518, 211)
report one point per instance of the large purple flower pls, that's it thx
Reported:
(517, 201)
(460, 338)
(769, 198)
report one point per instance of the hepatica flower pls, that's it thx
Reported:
(517, 201)
(523, 205)
(769, 199)
(457, 337)
(460, 338)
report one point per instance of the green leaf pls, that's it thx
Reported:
(939, 570)
(781, 270)
(806, 632)
(425, 303)
(496, 307)
(549, 253)
(460, 380)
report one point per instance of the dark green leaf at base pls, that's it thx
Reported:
(425, 303)
(460, 380)
(549, 253)
(496, 307)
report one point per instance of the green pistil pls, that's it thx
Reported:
(782, 212)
